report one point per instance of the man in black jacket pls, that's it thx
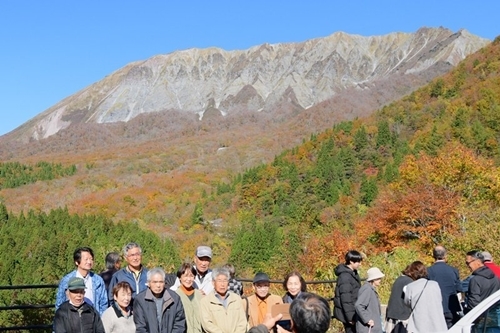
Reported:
(74, 315)
(346, 290)
(157, 309)
(483, 282)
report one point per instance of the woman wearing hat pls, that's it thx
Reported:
(368, 304)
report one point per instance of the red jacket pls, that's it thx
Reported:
(494, 268)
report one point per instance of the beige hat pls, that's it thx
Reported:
(373, 274)
(487, 256)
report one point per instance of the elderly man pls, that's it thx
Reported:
(75, 315)
(261, 302)
(203, 279)
(156, 309)
(221, 310)
(95, 290)
(134, 273)
(449, 282)
(483, 282)
(309, 313)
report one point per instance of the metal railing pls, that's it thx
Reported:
(27, 307)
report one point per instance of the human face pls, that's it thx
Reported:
(86, 263)
(261, 289)
(156, 284)
(123, 298)
(355, 265)
(76, 296)
(376, 282)
(187, 279)
(472, 263)
(293, 285)
(202, 264)
(221, 284)
(134, 257)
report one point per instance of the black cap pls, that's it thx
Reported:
(261, 277)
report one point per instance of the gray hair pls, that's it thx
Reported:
(156, 271)
(220, 271)
(130, 246)
(111, 259)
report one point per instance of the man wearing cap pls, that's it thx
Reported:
(449, 282)
(134, 273)
(203, 279)
(75, 315)
(95, 291)
(488, 262)
(261, 302)
(221, 310)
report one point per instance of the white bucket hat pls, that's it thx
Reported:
(373, 274)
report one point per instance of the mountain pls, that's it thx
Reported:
(264, 78)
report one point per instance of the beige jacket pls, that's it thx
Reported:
(217, 319)
(253, 307)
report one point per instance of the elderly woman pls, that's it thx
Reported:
(294, 284)
(368, 304)
(423, 296)
(118, 317)
(190, 297)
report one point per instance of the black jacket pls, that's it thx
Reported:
(346, 293)
(68, 319)
(173, 319)
(396, 308)
(482, 284)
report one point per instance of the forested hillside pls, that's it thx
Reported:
(421, 171)
(37, 248)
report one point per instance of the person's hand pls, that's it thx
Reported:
(270, 321)
(371, 323)
(202, 292)
(281, 329)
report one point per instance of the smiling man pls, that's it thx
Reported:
(75, 315)
(203, 279)
(134, 273)
(95, 291)
(261, 302)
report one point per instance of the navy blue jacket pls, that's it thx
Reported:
(449, 282)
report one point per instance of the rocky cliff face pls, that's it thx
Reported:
(258, 79)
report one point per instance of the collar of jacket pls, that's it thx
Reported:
(167, 298)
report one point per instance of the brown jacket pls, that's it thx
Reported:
(253, 307)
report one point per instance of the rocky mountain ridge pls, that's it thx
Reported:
(262, 78)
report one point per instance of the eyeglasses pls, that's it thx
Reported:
(468, 262)
(134, 255)
(222, 281)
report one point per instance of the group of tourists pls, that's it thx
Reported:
(196, 299)
(423, 299)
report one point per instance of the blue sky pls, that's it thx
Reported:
(51, 49)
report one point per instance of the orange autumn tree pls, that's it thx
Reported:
(422, 206)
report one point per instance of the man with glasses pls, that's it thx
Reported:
(221, 310)
(483, 281)
(261, 302)
(95, 290)
(134, 273)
